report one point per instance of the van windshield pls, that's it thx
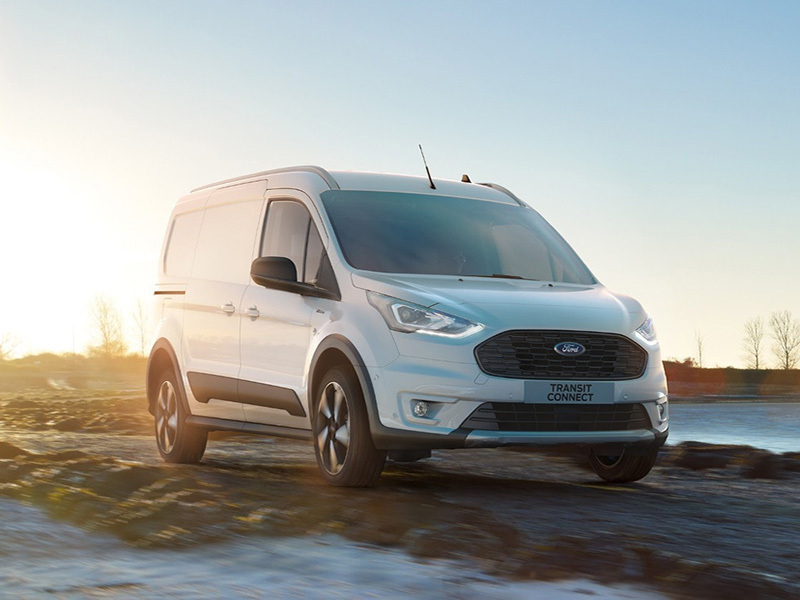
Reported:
(391, 232)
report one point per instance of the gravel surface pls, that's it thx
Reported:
(708, 522)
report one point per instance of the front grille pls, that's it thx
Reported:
(530, 354)
(516, 416)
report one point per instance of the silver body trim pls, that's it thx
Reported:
(500, 188)
(488, 439)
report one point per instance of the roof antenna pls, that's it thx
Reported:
(427, 170)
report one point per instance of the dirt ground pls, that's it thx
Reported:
(709, 521)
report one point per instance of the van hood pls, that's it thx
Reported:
(503, 304)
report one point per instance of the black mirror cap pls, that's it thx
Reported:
(279, 273)
(273, 268)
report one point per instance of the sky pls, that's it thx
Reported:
(661, 139)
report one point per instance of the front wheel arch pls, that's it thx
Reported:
(336, 350)
(337, 407)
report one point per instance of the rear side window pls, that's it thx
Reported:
(181, 244)
(291, 233)
(225, 246)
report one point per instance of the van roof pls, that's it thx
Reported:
(386, 182)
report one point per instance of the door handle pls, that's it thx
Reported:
(228, 308)
(252, 312)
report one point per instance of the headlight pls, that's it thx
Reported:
(647, 330)
(409, 317)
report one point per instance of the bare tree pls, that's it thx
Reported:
(699, 338)
(108, 329)
(786, 335)
(140, 319)
(753, 336)
(8, 344)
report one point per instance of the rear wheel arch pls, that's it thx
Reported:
(162, 358)
(177, 441)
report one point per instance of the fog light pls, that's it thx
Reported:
(420, 408)
(662, 411)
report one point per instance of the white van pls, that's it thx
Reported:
(383, 314)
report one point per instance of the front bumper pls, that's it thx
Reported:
(453, 391)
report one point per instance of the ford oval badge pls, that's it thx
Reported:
(569, 349)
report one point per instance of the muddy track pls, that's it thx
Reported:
(708, 522)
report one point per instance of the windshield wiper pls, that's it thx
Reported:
(504, 276)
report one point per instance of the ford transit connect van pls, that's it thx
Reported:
(378, 314)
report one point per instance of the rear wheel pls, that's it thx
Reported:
(345, 453)
(623, 467)
(178, 441)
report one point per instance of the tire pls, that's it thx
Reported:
(623, 468)
(177, 441)
(343, 444)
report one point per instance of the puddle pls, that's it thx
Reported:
(43, 558)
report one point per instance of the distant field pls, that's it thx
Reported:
(72, 372)
(709, 385)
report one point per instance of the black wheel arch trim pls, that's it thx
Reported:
(384, 438)
(162, 345)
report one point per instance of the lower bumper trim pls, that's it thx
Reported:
(493, 439)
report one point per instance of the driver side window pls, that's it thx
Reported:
(291, 233)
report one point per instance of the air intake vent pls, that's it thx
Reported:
(516, 416)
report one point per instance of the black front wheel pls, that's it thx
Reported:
(623, 467)
(345, 453)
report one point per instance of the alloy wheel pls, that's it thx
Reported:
(333, 418)
(166, 417)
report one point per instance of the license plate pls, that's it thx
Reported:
(569, 392)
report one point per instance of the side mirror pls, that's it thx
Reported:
(268, 268)
(279, 273)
